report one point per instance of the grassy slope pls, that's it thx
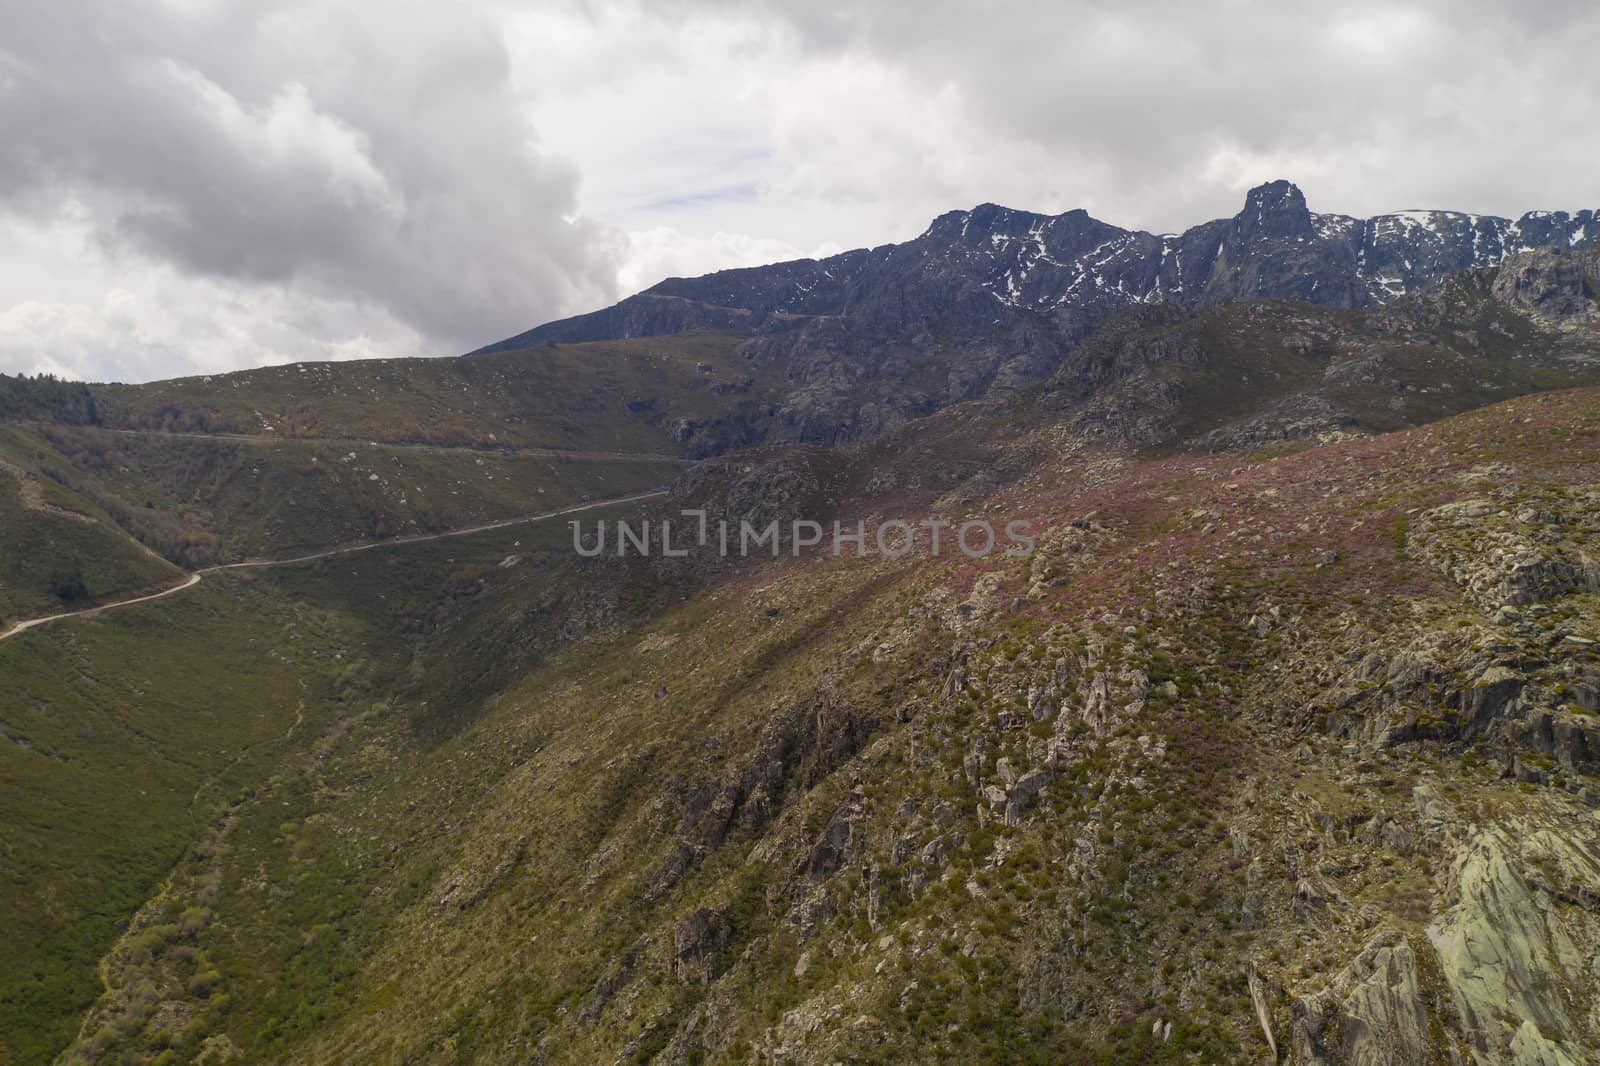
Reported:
(124, 738)
(50, 536)
(206, 501)
(317, 470)
(494, 887)
(570, 397)
(139, 738)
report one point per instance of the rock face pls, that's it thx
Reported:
(1551, 287)
(1023, 793)
(1486, 700)
(697, 938)
(1491, 978)
(1509, 945)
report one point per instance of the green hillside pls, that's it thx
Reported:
(626, 396)
(868, 810)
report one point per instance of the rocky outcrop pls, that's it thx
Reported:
(1024, 791)
(1372, 1014)
(833, 847)
(695, 943)
(1514, 555)
(1512, 955)
(1549, 286)
(1485, 701)
(1570, 740)
(1502, 974)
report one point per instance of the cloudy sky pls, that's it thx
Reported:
(189, 186)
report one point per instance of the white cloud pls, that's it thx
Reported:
(290, 140)
(1386, 35)
(374, 156)
(185, 327)
(664, 252)
(109, 317)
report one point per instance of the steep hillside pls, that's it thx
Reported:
(202, 500)
(124, 742)
(1255, 750)
(58, 549)
(134, 738)
(106, 490)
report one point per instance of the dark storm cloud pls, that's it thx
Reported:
(373, 153)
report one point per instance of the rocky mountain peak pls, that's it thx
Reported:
(992, 224)
(1276, 209)
(990, 214)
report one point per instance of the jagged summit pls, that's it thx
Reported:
(1276, 209)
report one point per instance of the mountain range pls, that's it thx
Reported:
(992, 298)
(1071, 265)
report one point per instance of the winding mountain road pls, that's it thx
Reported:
(327, 553)
(504, 451)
